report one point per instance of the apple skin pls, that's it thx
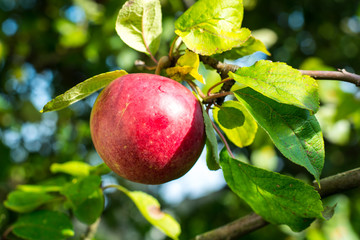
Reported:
(147, 128)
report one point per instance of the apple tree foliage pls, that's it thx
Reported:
(268, 95)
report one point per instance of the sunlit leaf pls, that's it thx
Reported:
(186, 64)
(86, 198)
(150, 209)
(44, 225)
(139, 25)
(294, 131)
(20, 201)
(74, 168)
(82, 90)
(281, 83)
(238, 125)
(251, 46)
(209, 27)
(277, 198)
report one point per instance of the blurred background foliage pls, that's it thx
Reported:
(48, 46)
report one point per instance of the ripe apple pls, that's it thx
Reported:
(147, 128)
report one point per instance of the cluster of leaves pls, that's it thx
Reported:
(273, 95)
(78, 189)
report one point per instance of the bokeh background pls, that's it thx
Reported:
(48, 46)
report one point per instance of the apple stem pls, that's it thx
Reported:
(196, 89)
(164, 62)
(223, 139)
(171, 51)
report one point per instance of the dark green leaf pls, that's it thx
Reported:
(86, 198)
(277, 198)
(43, 225)
(238, 125)
(209, 27)
(212, 156)
(139, 25)
(281, 83)
(20, 201)
(294, 131)
(229, 115)
(82, 90)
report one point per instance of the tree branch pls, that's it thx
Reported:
(341, 75)
(329, 186)
(223, 69)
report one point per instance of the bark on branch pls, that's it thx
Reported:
(223, 69)
(329, 186)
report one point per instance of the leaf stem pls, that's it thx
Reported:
(91, 230)
(214, 96)
(217, 84)
(195, 88)
(7, 232)
(223, 139)
(171, 51)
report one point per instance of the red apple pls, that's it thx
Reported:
(147, 128)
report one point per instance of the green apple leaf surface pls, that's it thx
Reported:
(86, 198)
(236, 122)
(212, 156)
(139, 25)
(281, 83)
(279, 199)
(251, 46)
(294, 131)
(55, 184)
(209, 27)
(43, 225)
(150, 209)
(82, 90)
(21, 201)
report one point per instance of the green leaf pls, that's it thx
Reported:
(251, 46)
(82, 90)
(139, 25)
(150, 209)
(236, 122)
(281, 83)
(43, 225)
(277, 198)
(50, 185)
(100, 169)
(294, 131)
(74, 168)
(212, 156)
(86, 198)
(22, 202)
(209, 27)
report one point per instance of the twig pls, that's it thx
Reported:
(329, 186)
(341, 75)
(223, 69)
(91, 230)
